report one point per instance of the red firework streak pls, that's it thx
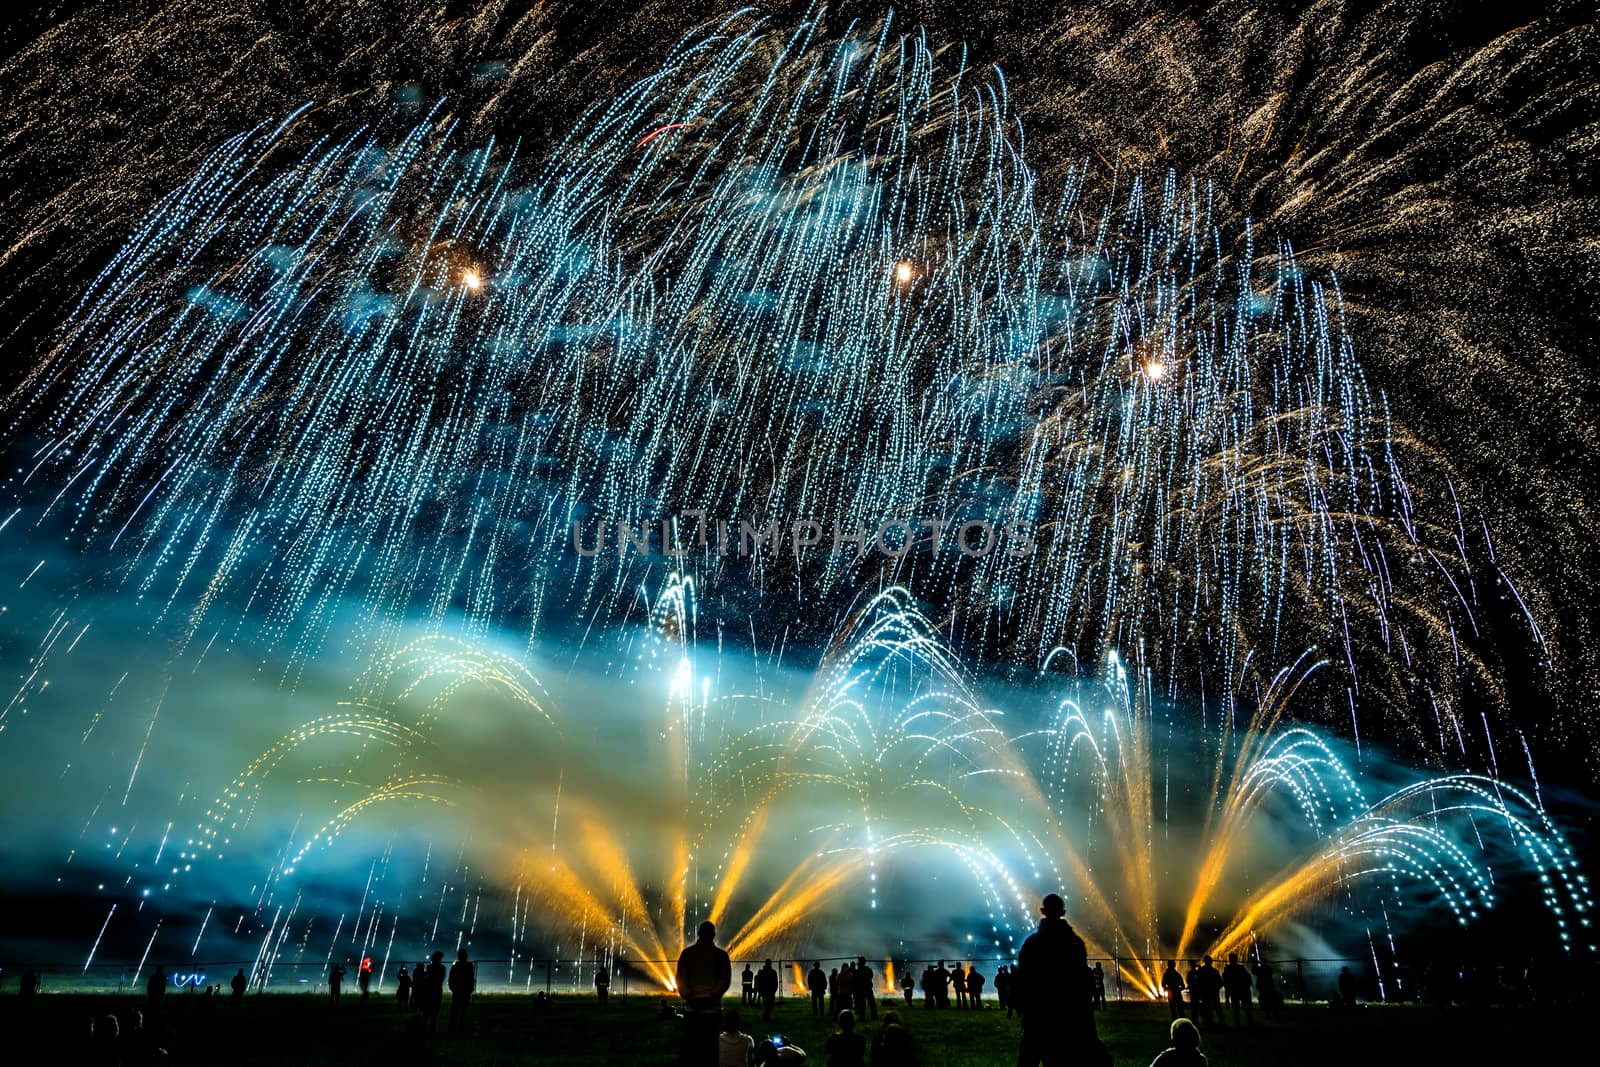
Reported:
(658, 131)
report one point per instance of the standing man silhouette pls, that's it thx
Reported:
(428, 991)
(1172, 982)
(975, 982)
(1205, 992)
(463, 983)
(817, 983)
(767, 989)
(704, 974)
(866, 997)
(1049, 989)
(1236, 985)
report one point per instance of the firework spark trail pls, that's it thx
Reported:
(889, 754)
(1412, 843)
(393, 370)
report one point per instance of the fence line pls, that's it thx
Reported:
(545, 971)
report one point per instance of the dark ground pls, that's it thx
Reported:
(305, 1029)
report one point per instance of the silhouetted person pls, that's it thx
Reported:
(927, 987)
(974, 986)
(1236, 986)
(30, 985)
(1205, 992)
(107, 1041)
(958, 985)
(602, 984)
(766, 989)
(1057, 1019)
(335, 981)
(1267, 989)
(941, 985)
(909, 987)
(734, 1047)
(747, 985)
(703, 975)
(786, 1055)
(402, 989)
(1347, 987)
(817, 984)
(1002, 990)
(429, 991)
(1099, 987)
(463, 983)
(892, 1046)
(364, 976)
(834, 1007)
(861, 986)
(239, 984)
(155, 988)
(77, 1045)
(136, 1046)
(846, 1048)
(1172, 982)
(1185, 1049)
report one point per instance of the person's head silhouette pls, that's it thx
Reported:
(438, 957)
(707, 931)
(847, 1021)
(1185, 1034)
(1053, 907)
(1207, 961)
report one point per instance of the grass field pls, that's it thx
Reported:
(303, 1029)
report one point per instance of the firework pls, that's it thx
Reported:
(382, 369)
(781, 280)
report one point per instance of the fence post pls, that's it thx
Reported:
(1117, 963)
(624, 969)
(1300, 969)
(549, 967)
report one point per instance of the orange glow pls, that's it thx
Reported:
(784, 909)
